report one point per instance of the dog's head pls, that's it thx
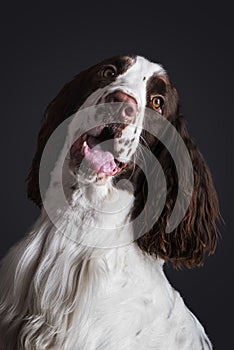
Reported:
(123, 90)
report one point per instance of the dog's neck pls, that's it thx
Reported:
(96, 216)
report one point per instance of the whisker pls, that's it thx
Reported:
(145, 142)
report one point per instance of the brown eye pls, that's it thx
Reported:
(157, 102)
(109, 72)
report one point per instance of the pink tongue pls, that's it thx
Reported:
(101, 161)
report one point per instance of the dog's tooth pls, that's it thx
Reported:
(84, 145)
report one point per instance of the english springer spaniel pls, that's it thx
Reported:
(122, 189)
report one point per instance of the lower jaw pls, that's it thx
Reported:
(102, 179)
(88, 177)
(99, 178)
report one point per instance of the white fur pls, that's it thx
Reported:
(77, 284)
(93, 298)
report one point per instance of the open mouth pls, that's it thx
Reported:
(96, 150)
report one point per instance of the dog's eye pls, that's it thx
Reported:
(109, 72)
(157, 102)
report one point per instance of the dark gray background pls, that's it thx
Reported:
(45, 45)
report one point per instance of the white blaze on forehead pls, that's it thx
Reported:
(141, 69)
(134, 80)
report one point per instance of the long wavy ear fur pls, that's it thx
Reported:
(197, 233)
(63, 106)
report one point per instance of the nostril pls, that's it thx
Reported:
(116, 99)
(107, 131)
(130, 110)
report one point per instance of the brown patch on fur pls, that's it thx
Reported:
(67, 102)
(129, 152)
(197, 233)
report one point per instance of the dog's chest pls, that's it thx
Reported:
(130, 309)
(123, 304)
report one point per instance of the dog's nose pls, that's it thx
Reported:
(129, 109)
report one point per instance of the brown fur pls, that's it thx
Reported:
(197, 233)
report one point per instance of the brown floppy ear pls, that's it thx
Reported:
(197, 233)
(67, 102)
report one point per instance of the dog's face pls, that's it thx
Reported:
(124, 88)
(120, 91)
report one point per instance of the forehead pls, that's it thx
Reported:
(143, 78)
(132, 64)
(144, 69)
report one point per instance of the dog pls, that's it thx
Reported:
(113, 156)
